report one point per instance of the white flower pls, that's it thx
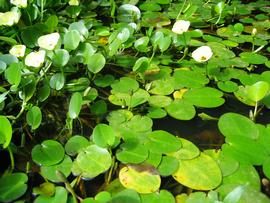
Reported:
(35, 59)
(48, 41)
(11, 17)
(254, 32)
(19, 3)
(74, 2)
(202, 54)
(180, 26)
(18, 50)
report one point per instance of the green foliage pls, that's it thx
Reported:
(118, 89)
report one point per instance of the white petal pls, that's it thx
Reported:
(202, 54)
(48, 41)
(19, 3)
(35, 59)
(180, 26)
(18, 50)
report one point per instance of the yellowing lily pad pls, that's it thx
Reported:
(200, 173)
(141, 178)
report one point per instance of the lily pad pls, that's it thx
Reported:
(253, 58)
(234, 125)
(200, 173)
(162, 142)
(60, 196)
(125, 85)
(162, 87)
(143, 179)
(189, 79)
(91, 162)
(188, 150)
(168, 166)
(75, 144)
(126, 196)
(5, 131)
(48, 153)
(181, 110)
(204, 97)
(258, 91)
(132, 152)
(64, 166)
(12, 186)
(159, 101)
(103, 135)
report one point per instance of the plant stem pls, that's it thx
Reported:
(181, 10)
(11, 158)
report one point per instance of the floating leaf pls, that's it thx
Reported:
(96, 63)
(57, 81)
(132, 152)
(162, 87)
(49, 172)
(60, 196)
(200, 173)
(92, 161)
(126, 196)
(71, 39)
(162, 142)
(75, 105)
(125, 85)
(234, 125)
(103, 135)
(187, 151)
(75, 144)
(60, 57)
(50, 152)
(13, 73)
(143, 179)
(189, 79)
(204, 97)
(34, 117)
(258, 91)
(159, 101)
(168, 166)
(181, 110)
(5, 131)
(12, 186)
(253, 58)
(162, 196)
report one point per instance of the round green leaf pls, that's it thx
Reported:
(75, 144)
(126, 196)
(71, 39)
(227, 86)
(246, 174)
(103, 135)
(57, 81)
(143, 179)
(60, 57)
(162, 87)
(64, 166)
(200, 173)
(104, 80)
(12, 186)
(34, 117)
(48, 153)
(13, 74)
(125, 85)
(188, 150)
(204, 97)
(162, 142)
(253, 58)
(141, 64)
(92, 161)
(60, 196)
(168, 166)
(132, 152)
(75, 105)
(162, 196)
(154, 112)
(159, 101)
(96, 63)
(258, 91)
(5, 131)
(234, 125)
(181, 110)
(189, 79)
